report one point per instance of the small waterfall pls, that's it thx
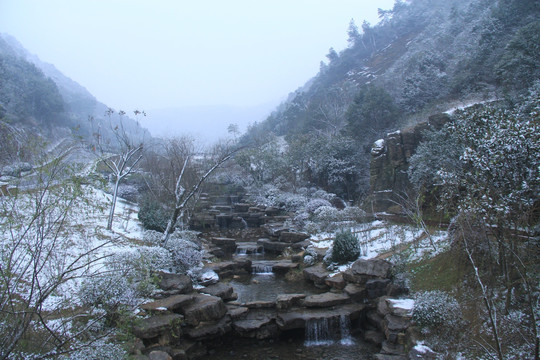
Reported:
(244, 223)
(318, 332)
(241, 251)
(345, 330)
(262, 269)
(327, 331)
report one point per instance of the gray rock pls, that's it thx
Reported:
(225, 243)
(355, 292)
(317, 274)
(158, 325)
(260, 304)
(336, 282)
(296, 319)
(171, 303)
(159, 355)
(237, 312)
(286, 301)
(262, 328)
(284, 266)
(326, 300)
(292, 237)
(204, 308)
(374, 337)
(372, 267)
(210, 329)
(179, 282)
(220, 290)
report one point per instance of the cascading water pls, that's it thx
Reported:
(261, 269)
(318, 332)
(345, 330)
(327, 331)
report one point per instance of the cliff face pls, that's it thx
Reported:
(390, 162)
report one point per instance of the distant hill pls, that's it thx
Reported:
(37, 100)
(427, 56)
(423, 57)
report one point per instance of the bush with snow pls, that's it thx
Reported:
(100, 349)
(346, 248)
(435, 310)
(314, 204)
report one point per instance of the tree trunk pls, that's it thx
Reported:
(113, 205)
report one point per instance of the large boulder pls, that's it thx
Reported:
(317, 274)
(159, 325)
(375, 268)
(204, 308)
(176, 283)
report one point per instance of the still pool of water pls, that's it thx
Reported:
(292, 349)
(265, 287)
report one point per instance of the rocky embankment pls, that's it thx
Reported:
(185, 323)
(188, 322)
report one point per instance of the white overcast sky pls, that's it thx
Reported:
(135, 54)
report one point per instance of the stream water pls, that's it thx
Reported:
(322, 339)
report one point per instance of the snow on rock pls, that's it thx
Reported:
(402, 307)
(378, 147)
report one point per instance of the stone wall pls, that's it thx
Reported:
(390, 162)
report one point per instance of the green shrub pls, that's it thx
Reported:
(346, 248)
(153, 215)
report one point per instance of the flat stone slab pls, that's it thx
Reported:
(172, 303)
(179, 282)
(355, 292)
(211, 329)
(204, 308)
(273, 246)
(326, 300)
(336, 282)
(158, 325)
(229, 268)
(237, 312)
(227, 243)
(396, 323)
(284, 266)
(286, 301)
(292, 237)
(260, 304)
(220, 290)
(297, 318)
(317, 274)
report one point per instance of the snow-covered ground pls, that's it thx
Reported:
(379, 238)
(78, 247)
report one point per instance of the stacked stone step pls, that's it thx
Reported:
(281, 237)
(394, 320)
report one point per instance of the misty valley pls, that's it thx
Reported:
(388, 209)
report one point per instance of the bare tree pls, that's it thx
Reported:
(182, 196)
(36, 261)
(121, 157)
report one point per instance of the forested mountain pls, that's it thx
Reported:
(423, 57)
(36, 99)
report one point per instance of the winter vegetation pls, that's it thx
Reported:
(93, 210)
